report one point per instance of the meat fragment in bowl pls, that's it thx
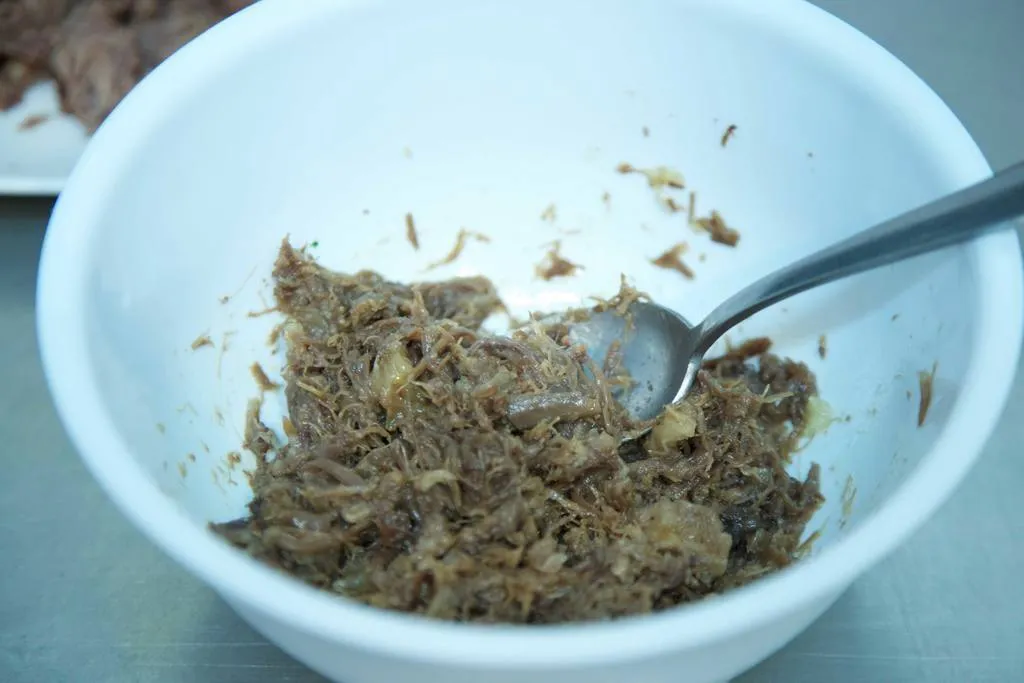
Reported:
(434, 468)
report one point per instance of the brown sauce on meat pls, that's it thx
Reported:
(432, 468)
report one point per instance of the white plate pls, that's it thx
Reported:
(36, 161)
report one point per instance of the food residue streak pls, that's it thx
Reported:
(460, 244)
(926, 381)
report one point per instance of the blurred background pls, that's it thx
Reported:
(84, 597)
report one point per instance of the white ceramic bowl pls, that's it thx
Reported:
(329, 120)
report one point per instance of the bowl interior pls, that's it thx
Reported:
(333, 126)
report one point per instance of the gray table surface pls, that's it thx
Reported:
(84, 597)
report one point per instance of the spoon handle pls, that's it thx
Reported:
(955, 218)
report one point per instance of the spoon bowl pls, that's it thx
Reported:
(662, 351)
(655, 347)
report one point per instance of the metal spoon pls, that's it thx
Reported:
(662, 351)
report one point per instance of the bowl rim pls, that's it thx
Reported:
(811, 583)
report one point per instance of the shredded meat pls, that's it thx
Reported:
(715, 226)
(95, 61)
(672, 259)
(28, 28)
(410, 232)
(431, 468)
(96, 50)
(32, 121)
(461, 239)
(555, 265)
(657, 177)
(729, 132)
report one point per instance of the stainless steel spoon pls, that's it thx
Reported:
(662, 351)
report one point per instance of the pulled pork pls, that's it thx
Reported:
(432, 468)
(96, 50)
